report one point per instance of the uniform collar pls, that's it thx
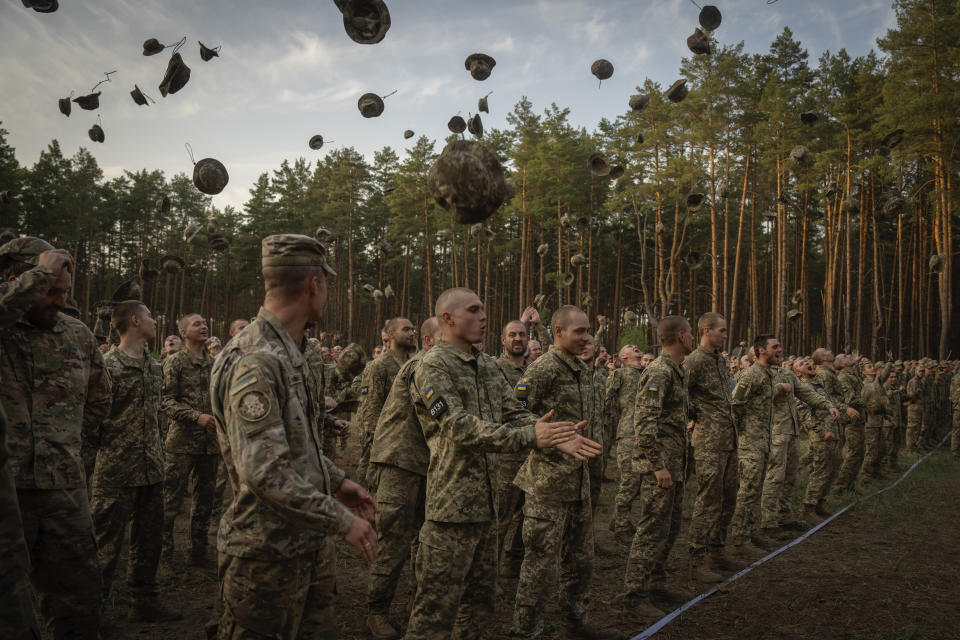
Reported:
(460, 353)
(125, 359)
(715, 354)
(293, 351)
(670, 363)
(574, 364)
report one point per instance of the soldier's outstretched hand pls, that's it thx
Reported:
(357, 499)
(363, 538)
(550, 434)
(579, 447)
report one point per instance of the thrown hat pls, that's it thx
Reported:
(639, 101)
(172, 264)
(937, 262)
(148, 273)
(383, 247)
(723, 191)
(26, 250)
(793, 314)
(851, 205)
(218, 241)
(64, 105)
(42, 6)
(770, 214)
(538, 300)
(710, 17)
(390, 187)
(797, 297)
(598, 164)
(365, 21)
(479, 65)
(602, 69)
(660, 228)
(96, 133)
(445, 234)
(190, 232)
(639, 137)
(152, 46)
(316, 142)
(629, 316)
(809, 118)
(617, 171)
(206, 53)
(210, 176)
(832, 190)
(482, 104)
(163, 205)
(456, 124)
(129, 290)
(699, 43)
(567, 278)
(213, 226)
(800, 154)
(467, 180)
(139, 96)
(475, 126)
(893, 139)
(323, 235)
(677, 91)
(177, 75)
(565, 220)
(388, 292)
(578, 260)
(370, 105)
(585, 299)
(476, 229)
(543, 249)
(894, 205)
(693, 260)
(88, 102)
(377, 296)
(103, 310)
(294, 250)
(369, 288)
(408, 134)
(695, 201)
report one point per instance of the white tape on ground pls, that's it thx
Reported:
(670, 617)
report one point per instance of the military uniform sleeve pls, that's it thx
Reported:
(96, 408)
(809, 396)
(646, 417)
(171, 405)
(262, 457)
(539, 333)
(741, 395)
(611, 406)
(692, 373)
(601, 336)
(17, 296)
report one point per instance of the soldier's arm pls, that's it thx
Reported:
(543, 336)
(646, 417)
(261, 453)
(693, 374)
(809, 396)
(611, 404)
(741, 395)
(97, 406)
(171, 403)
(370, 404)
(17, 296)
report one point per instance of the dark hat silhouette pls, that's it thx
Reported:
(639, 137)
(693, 260)
(42, 6)
(129, 290)
(148, 273)
(207, 53)
(365, 21)
(475, 126)
(139, 96)
(323, 235)
(190, 231)
(602, 69)
(218, 241)
(370, 105)
(480, 65)
(851, 204)
(456, 124)
(893, 139)
(677, 91)
(483, 105)
(210, 176)
(163, 205)
(617, 171)
(408, 134)
(800, 154)
(710, 17)
(467, 180)
(894, 205)
(172, 264)
(809, 118)
(152, 46)
(316, 142)
(89, 102)
(639, 101)
(177, 75)
(937, 262)
(598, 164)
(699, 43)
(793, 314)
(64, 105)
(695, 201)
(96, 133)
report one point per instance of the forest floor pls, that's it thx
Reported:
(887, 570)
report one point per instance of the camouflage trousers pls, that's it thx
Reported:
(657, 529)
(142, 507)
(596, 467)
(222, 493)
(17, 619)
(63, 558)
(716, 499)
(751, 469)
(783, 465)
(456, 576)
(283, 600)
(852, 456)
(823, 468)
(510, 512)
(914, 422)
(401, 496)
(872, 451)
(556, 535)
(628, 487)
(180, 468)
(892, 443)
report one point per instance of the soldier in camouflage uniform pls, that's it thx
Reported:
(876, 405)
(17, 296)
(191, 444)
(398, 463)
(55, 393)
(557, 512)
(277, 566)
(343, 387)
(468, 412)
(660, 425)
(597, 466)
(377, 378)
(714, 447)
(820, 427)
(931, 410)
(752, 400)
(330, 426)
(512, 363)
(853, 433)
(914, 400)
(128, 477)
(893, 429)
(621, 396)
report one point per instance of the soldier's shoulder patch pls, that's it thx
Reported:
(364, 390)
(429, 393)
(653, 387)
(742, 385)
(522, 389)
(439, 407)
(243, 383)
(254, 406)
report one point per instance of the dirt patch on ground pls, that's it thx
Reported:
(888, 572)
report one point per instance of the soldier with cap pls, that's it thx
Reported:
(17, 295)
(620, 398)
(277, 566)
(876, 404)
(853, 433)
(468, 412)
(55, 393)
(894, 427)
(914, 401)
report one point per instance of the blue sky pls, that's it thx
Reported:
(288, 70)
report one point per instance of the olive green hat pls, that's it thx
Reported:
(294, 250)
(26, 250)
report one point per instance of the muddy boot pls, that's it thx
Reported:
(747, 549)
(700, 572)
(792, 524)
(380, 627)
(149, 610)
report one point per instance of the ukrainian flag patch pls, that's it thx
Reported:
(653, 387)
(243, 383)
(428, 393)
(741, 385)
(521, 386)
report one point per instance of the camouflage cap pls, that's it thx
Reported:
(26, 249)
(294, 250)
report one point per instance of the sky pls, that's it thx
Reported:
(287, 70)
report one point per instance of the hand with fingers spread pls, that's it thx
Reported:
(579, 447)
(550, 434)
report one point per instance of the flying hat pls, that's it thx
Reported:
(323, 235)
(629, 316)
(851, 205)
(617, 171)
(937, 262)
(695, 201)
(369, 288)
(64, 105)
(710, 17)
(96, 133)
(456, 124)
(797, 297)
(479, 65)
(598, 164)
(213, 226)
(172, 263)
(371, 105)
(809, 118)
(793, 314)
(894, 205)
(567, 278)
(543, 249)
(190, 232)
(383, 247)
(377, 296)
(88, 102)
(163, 205)
(639, 102)
(693, 260)
(209, 174)
(467, 180)
(602, 69)
(723, 191)
(800, 154)
(578, 260)
(316, 142)
(677, 91)
(832, 190)
(177, 75)
(538, 300)
(365, 21)
(445, 234)
(129, 290)
(218, 241)
(42, 6)
(476, 229)
(207, 54)
(699, 43)
(388, 292)
(639, 137)
(390, 187)
(482, 104)
(408, 134)
(140, 97)
(585, 299)
(147, 272)
(152, 46)
(475, 126)
(893, 139)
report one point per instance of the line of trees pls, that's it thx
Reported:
(849, 245)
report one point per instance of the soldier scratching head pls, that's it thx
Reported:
(22, 254)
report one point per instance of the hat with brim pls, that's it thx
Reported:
(629, 316)
(538, 300)
(26, 249)
(710, 17)
(695, 201)
(467, 180)
(322, 234)
(677, 91)
(190, 232)
(809, 118)
(793, 314)
(456, 124)
(218, 241)
(723, 191)
(543, 249)
(7, 234)
(206, 53)
(210, 176)
(103, 310)
(483, 105)
(316, 142)
(693, 260)
(894, 205)
(163, 205)
(851, 205)
(88, 102)
(797, 297)
(408, 134)
(892, 139)
(639, 138)
(475, 126)
(598, 165)
(639, 101)
(800, 154)
(567, 278)
(148, 273)
(138, 96)
(172, 264)
(129, 290)
(699, 43)
(152, 46)
(617, 171)
(177, 75)
(294, 250)
(96, 133)
(365, 21)
(937, 262)
(602, 69)
(578, 260)
(64, 105)
(370, 105)
(479, 65)
(42, 6)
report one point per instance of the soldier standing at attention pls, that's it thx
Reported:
(55, 393)
(557, 513)
(191, 445)
(467, 411)
(277, 566)
(821, 432)
(914, 400)
(714, 449)
(398, 463)
(619, 401)
(128, 477)
(17, 296)
(876, 404)
(853, 434)
(512, 363)
(893, 429)
(375, 385)
(660, 424)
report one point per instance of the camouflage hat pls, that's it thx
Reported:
(139, 97)
(177, 75)
(365, 21)
(598, 164)
(219, 241)
(793, 314)
(567, 278)
(456, 124)
(937, 262)
(129, 290)
(479, 65)
(851, 205)
(163, 205)
(152, 46)
(294, 250)
(64, 105)
(639, 137)
(710, 17)
(89, 102)
(695, 201)
(148, 273)
(639, 101)
(316, 142)
(892, 139)
(172, 264)
(370, 105)
(467, 180)
(483, 105)
(210, 176)
(408, 134)
(96, 133)
(7, 234)
(42, 6)
(602, 69)
(699, 42)
(809, 118)
(26, 250)
(475, 126)
(893, 205)
(800, 154)
(617, 171)
(677, 91)
(208, 53)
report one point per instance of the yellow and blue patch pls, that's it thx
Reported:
(243, 383)
(653, 387)
(742, 385)
(521, 386)
(428, 393)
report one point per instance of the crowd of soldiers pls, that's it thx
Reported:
(473, 472)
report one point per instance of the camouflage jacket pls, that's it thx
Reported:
(264, 402)
(660, 418)
(930, 388)
(467, 412)
(131, 451)
(563, 383)
(914, 396)
(895, 396)
(603, 432)
(374, 387)
(186, 394)
(955, 393)
(752, 400)
(708, 384)
(814, 418)
(345, 392)
(875, 401)
(511, 370)
(833, 389)
(55, 393)
(786, 418)
(314, 357)
(852, 385)
(398, 439)
(619, 400)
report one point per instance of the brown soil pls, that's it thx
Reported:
(881, 575)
